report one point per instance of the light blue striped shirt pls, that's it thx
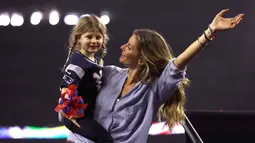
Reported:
(129, 119)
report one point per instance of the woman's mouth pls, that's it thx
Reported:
(122, 55)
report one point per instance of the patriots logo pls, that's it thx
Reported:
(98, 77)
(68, 79)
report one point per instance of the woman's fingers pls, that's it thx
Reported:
(222, 12)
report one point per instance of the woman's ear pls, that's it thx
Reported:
(140, 63)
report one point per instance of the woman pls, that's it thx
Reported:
(153, 81)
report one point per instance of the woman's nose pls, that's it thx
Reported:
(123, 46)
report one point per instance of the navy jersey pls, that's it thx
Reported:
(86, 75)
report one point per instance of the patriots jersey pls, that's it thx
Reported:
(86, 75)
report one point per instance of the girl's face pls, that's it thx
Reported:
(91, 41)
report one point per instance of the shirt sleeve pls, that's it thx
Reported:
(73, 72)
(169, 81)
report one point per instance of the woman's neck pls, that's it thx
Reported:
(90, 56)
(131, 78)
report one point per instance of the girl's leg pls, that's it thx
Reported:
(90, 129)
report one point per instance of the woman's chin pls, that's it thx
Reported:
(121, 59)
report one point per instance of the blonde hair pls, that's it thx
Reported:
(86, 23)
(155, 53)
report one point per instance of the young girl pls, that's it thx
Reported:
(83, 69)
